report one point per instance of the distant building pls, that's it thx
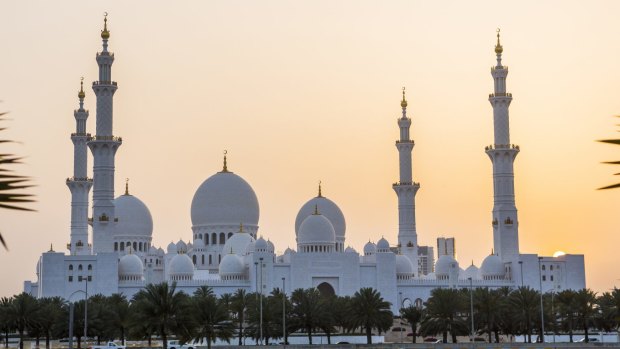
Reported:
(446, 247)
(426, 259)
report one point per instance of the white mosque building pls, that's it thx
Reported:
(225, 253)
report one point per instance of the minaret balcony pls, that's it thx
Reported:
(107, 138)
(81, 134)
(501, 147)
(113, 83)
(403, 184)
(500, 94)
(405, 141)
(79, 179)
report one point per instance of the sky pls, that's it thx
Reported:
(299, 92)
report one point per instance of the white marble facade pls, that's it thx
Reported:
(227, 253)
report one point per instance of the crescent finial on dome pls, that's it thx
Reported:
(316, 210)
(403, 103)
(225, 169)
(241, 227)
(498, 47)
(126, 186)
(105, 34)
(81, 94)
(320, 194)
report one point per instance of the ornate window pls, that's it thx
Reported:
(80, 267)
(71, 267)
(70, 278)
(90, 267)
(222, 238)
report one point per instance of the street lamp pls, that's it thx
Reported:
(256, 283)
(521, 265)
(86, 312)
(261, 300)
(400, 321)
(542, 314)
(284, 312)
(471, 307)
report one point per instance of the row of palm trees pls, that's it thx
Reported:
(161, 310)
(512, 312)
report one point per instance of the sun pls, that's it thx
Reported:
(558, 253)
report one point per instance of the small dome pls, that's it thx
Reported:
(370, 248)
(231, 265)
(238, 243)
(444, 264)
(404, 267)
(181, 265)
(493, 267)
(160, 251)
(350, 249)
(224, 199)
(327, 208)
(181, 247)
(270, 246)
(430, 276)
(472, 272)
(260, 245)
(134, 218)
(152, 251)
(316, 229)
(199, 244)
(288, 251)
(383, 245)
(172, 248)
(130, 265)
(251, 247)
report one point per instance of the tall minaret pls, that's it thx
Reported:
(502, 153)
(79, 184)
(406, 189)
(104, 146)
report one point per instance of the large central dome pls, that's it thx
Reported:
(224, 199)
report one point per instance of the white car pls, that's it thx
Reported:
(175, 344)
(109, 345)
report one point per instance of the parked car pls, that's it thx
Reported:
(479, 339)
(591, 340)
(175, 344)
(109, 345)
(432, 340)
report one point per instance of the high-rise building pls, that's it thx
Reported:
(426, 260)
(446, 247)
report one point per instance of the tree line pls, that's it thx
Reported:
(512, 312)
(161, 311)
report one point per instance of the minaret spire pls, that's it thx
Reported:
(126, 186)
(103, 147)
(320, 193)
(502, 154)
(225, 169)
(406, 190)
(79, 184)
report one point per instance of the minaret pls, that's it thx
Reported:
(502, 154)
(406, 189)
(104, 146)
(79, 184)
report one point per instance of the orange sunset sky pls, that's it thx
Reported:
(302, 91)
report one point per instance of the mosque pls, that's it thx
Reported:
(226, 253)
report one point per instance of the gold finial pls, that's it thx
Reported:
(403, 103)
(126, 186)
(241, 227)
(316, 209)
(492, 252)
(498, 47)
(231, 252)
(320, 194)
(81, 94)
(51, 248)
(225, 165)
(105, 34)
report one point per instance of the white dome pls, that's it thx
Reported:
(327, 208)
(430, 276)
(370, 248)
(130, 265)
(288, 251)
(199, 244)
(350, 249)
(383, 245)
(492, 266)
(251, 247)
(172, 248)
(270, 246)
(316, 229)
(238, 243)
(181, 265)
(181, 247)
(403, 265)
(260, 245)
(231, 265)
(443, 265)
(472, 272)
(134, 218)
(160, 251)
(225, 199)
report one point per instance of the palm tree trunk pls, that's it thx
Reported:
(413, 326)
(47, 339)
(240, 331)
(123, 335)
(585, 329)
(79, 342)
(368, 335)
(21, 339)
(445, 336)
(310, 335)
(164, 338)
(6, 337)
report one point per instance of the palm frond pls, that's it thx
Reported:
(617, 185)
(612, 141)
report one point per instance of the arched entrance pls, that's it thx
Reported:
(326, 290)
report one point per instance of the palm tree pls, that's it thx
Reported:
(23, 313)
(566, 305)
(525, 303)
(617, 142)
(306, 309)
(487, 307)
(162, 308)
(443, 314)
(11, 182)
(120, 314)
(585, 300)
(51, 311)
(412, 315)
(5, 322)
(369, 310)
(211, 316)
(239, 307)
